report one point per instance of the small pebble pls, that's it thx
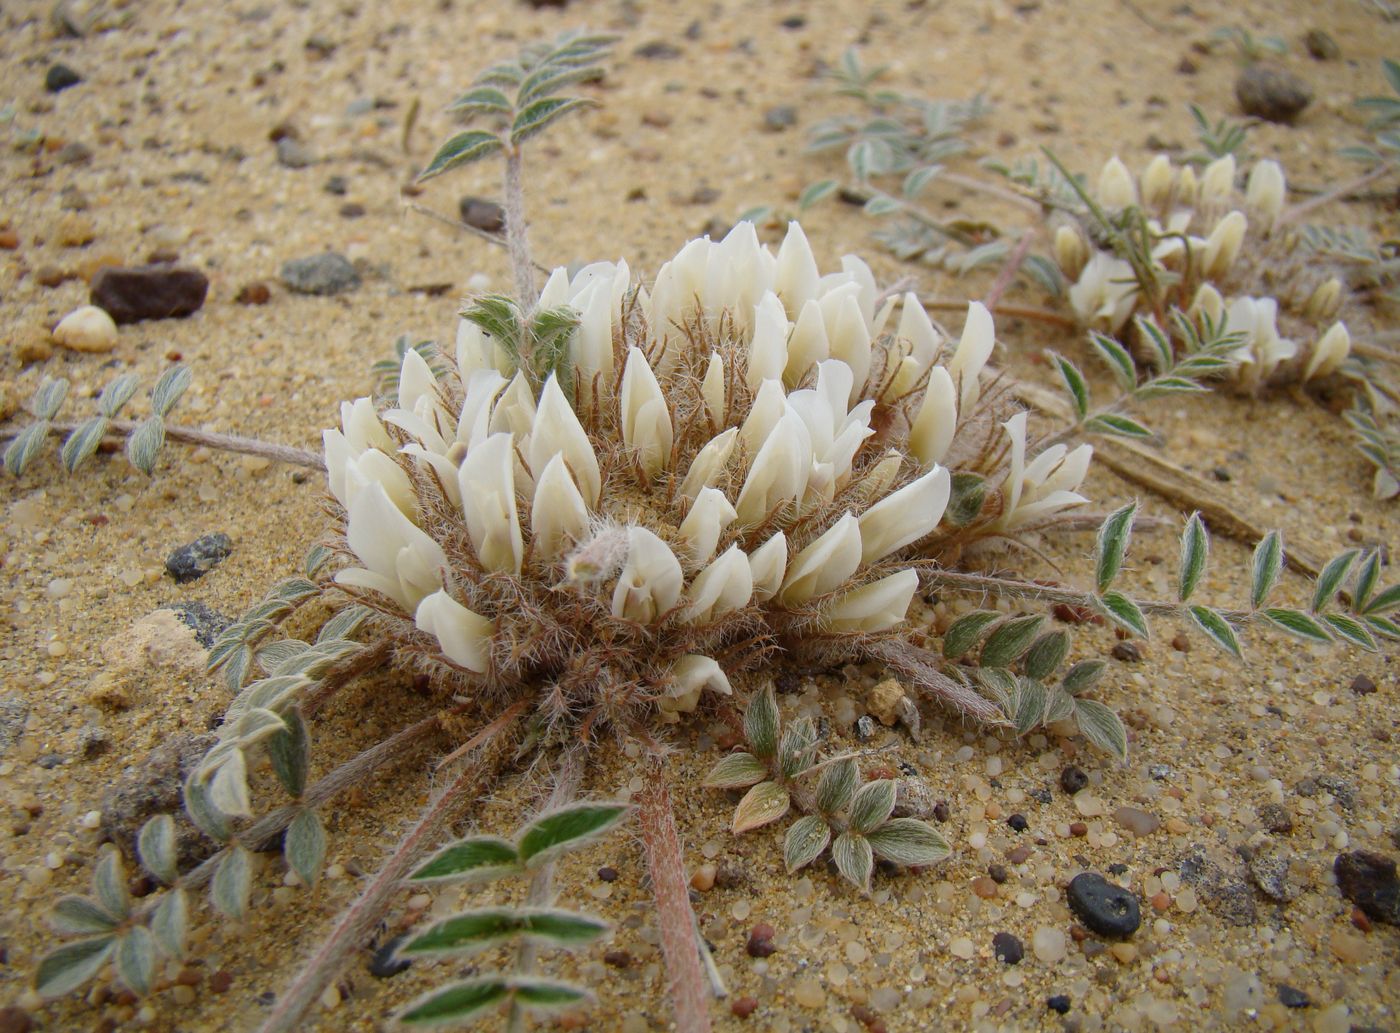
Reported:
(1008, 948)
(220, 981)
(1138, 822)
(1106, 909)
(293, 154)
(136, 293)
(1059, 1003)
(200, 556)
(1128, 652)
(384, 964)
(607, 874)
(1321, 46)
(704, 877)
(323, 274)
(1369, 881)
(253, 293)
(775, 120)
(984, 887)
(1073, 779)
(59, 77)
(1048, 944)
(760, 941)
(86, 329)
(1272, 94)
(744, 1007)
(1362, 685)
(1292, 997)
(1018, 822)
(484, 214)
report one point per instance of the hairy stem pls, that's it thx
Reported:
(670, 890)
(1009, 270)
(1297, 212)
(447, 220)
(517, 239)
(1016, 588)
(208, 439)
(1039, 315)
(359, 920)
(991, 190)
(922, 668)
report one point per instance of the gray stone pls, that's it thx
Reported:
(913, 798)
(14, 711)
(775, 120)
(326, 273)
(200, 556)
(293, 154)
(1226, 894)
(1272, 93)
(155, 787)
(1268, 869)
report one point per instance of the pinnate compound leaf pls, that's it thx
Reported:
(854, 859)
(232, 882)
(908, 841)
(1331, 578)
(79, 916)
(456, 1003)
(763, 804)
(136, 959)
(806, 838)
(1118, 608)
(872, 805)
(170, 923)
(1216, 628)
(1298, 624)
(1082, 676)
(476, 857)
(541, 113)
(1195, 553)
(464, 148)
(155, 846)
(1101, 727)
(736, 771)
(1265, 567)
(1011, 638)
(966, 632)
(64, 970)
(305, 845)
(567, 828)
(761, 723)
(836, 785)
(144, 445)
(1351, 630)
(1112, 545)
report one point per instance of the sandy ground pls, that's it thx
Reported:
(176, 108)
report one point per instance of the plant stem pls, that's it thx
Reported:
(447, 220)
(517, 239)
(666, 865)
(207, 439)
(1032, 590)
(991, 189)
(1009, 270)
(359, 920)
(1336, 193)
(1040, 315)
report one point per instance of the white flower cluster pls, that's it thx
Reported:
(1199, 228)
(718, 459)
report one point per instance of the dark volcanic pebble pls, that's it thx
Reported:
(1292, 997)
(1018, 822)
(1107, 909)
(59, 77)
(383, 963)
(485, 215)
(326, 273)
(658, 50)
(1320, 46)
(198, 557)
(1362, 685)
(132, 294)
(760, 942)
(1368, 880)
(1008, 948)
(1073, 779)
(1271, 93)
(204, 622)
(1058, 1003)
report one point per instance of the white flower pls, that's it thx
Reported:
(559, 513)
(1071, 251)
(487, 481)
(1218, 181)
(768, 348)
(937, 419)
(824, 565)
(1047, 485)
(725, 585)
(557, 431)
(808, 343)
(712, 390)
(646, 416)
(709, 515)
(1324, 301)
(514, 410)
(778, 473)
(689, 676)
(1116, 188)
(874, 607)
(1157, 182)
(1262, 350)
(708, 465)
(400, 560)
(1266, 192)
(465, 636)
(651, 578)
(1329, 352)
(974, 349)
(904, 516)
(848, 334)
(1105, 293)
(767, 564)
(796, 276)
(1224, 243)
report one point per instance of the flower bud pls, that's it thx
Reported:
(1116, 188)
(767, 356)
(1157, 182)
(557, 431)
(1324, 302)
(646, 416)
(1265, 193)
(1223, 245)
(974, 349)
(725, 585)
(1329, 352)
(824, 565)
(849, 338)
(937, 419)
(808, 343)
(767, 564)
(1071, 251)
(487, 482)
(689, 676)
(708, 465)
(1207, 303)
(559, 514)
(464, 635)
(1186, 187)
(651, 578)
(709, 515)
(796, 276)
(878, 606)
(712, 390)
(778, 473)
(1218, 181)
(400, 560)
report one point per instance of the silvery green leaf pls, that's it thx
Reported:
(872, 804)
(915, 182)
(224, 644)
(1001, 683)
(317, 661)
(881, 205)
(236, 665)
(1382, 626)
(156, 848)
(1006, 644)
(1331, 578)
(1030, 705)
(480, 928)
(1116, 357)
(294, 589)
(26, 446)
(796, 746)
(854, 859)
(806, 838)
(1118, 608)
(305, 845)
(290, 753)
(1264, 568)
(1116, 425)
(457, 1003)
(476, 857)
(316, 557)
(1112, 544)
(1297, 623)
(543, 996)
(545, 837)
(1350, 629)
(1059, 705)
(1387, 600)
(1046, 654)
(541, 113)
(1164, 356)
(256, 724)
(1101, 727)
(1366, 580)
(763, 804)
(481, 99)
(136, 959)
(547, 80)
(170, 922)
(736, 771)
(64, 970)
(274, 692)
(169, 388)
(81, 445)
(1074, 384)
(48, 399)
(1082, 676)
(206, 817)
(465, 147)
(836, 785)
(343, 624)
(79, 916)
(1217, 629)
(232, 882)
(1195, 552)
(116, 394)
(144, 444)
(228, 786)
(109, 883)
(274, 654)
(761, 723)
(815, 192)
(908, 841)
(1046, 275)
(1160, 387)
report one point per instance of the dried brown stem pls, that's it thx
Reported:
(1039, 315)
(922, 668)
(190, 436)
(666, 865)
(1009, 270)
(1338, 192)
